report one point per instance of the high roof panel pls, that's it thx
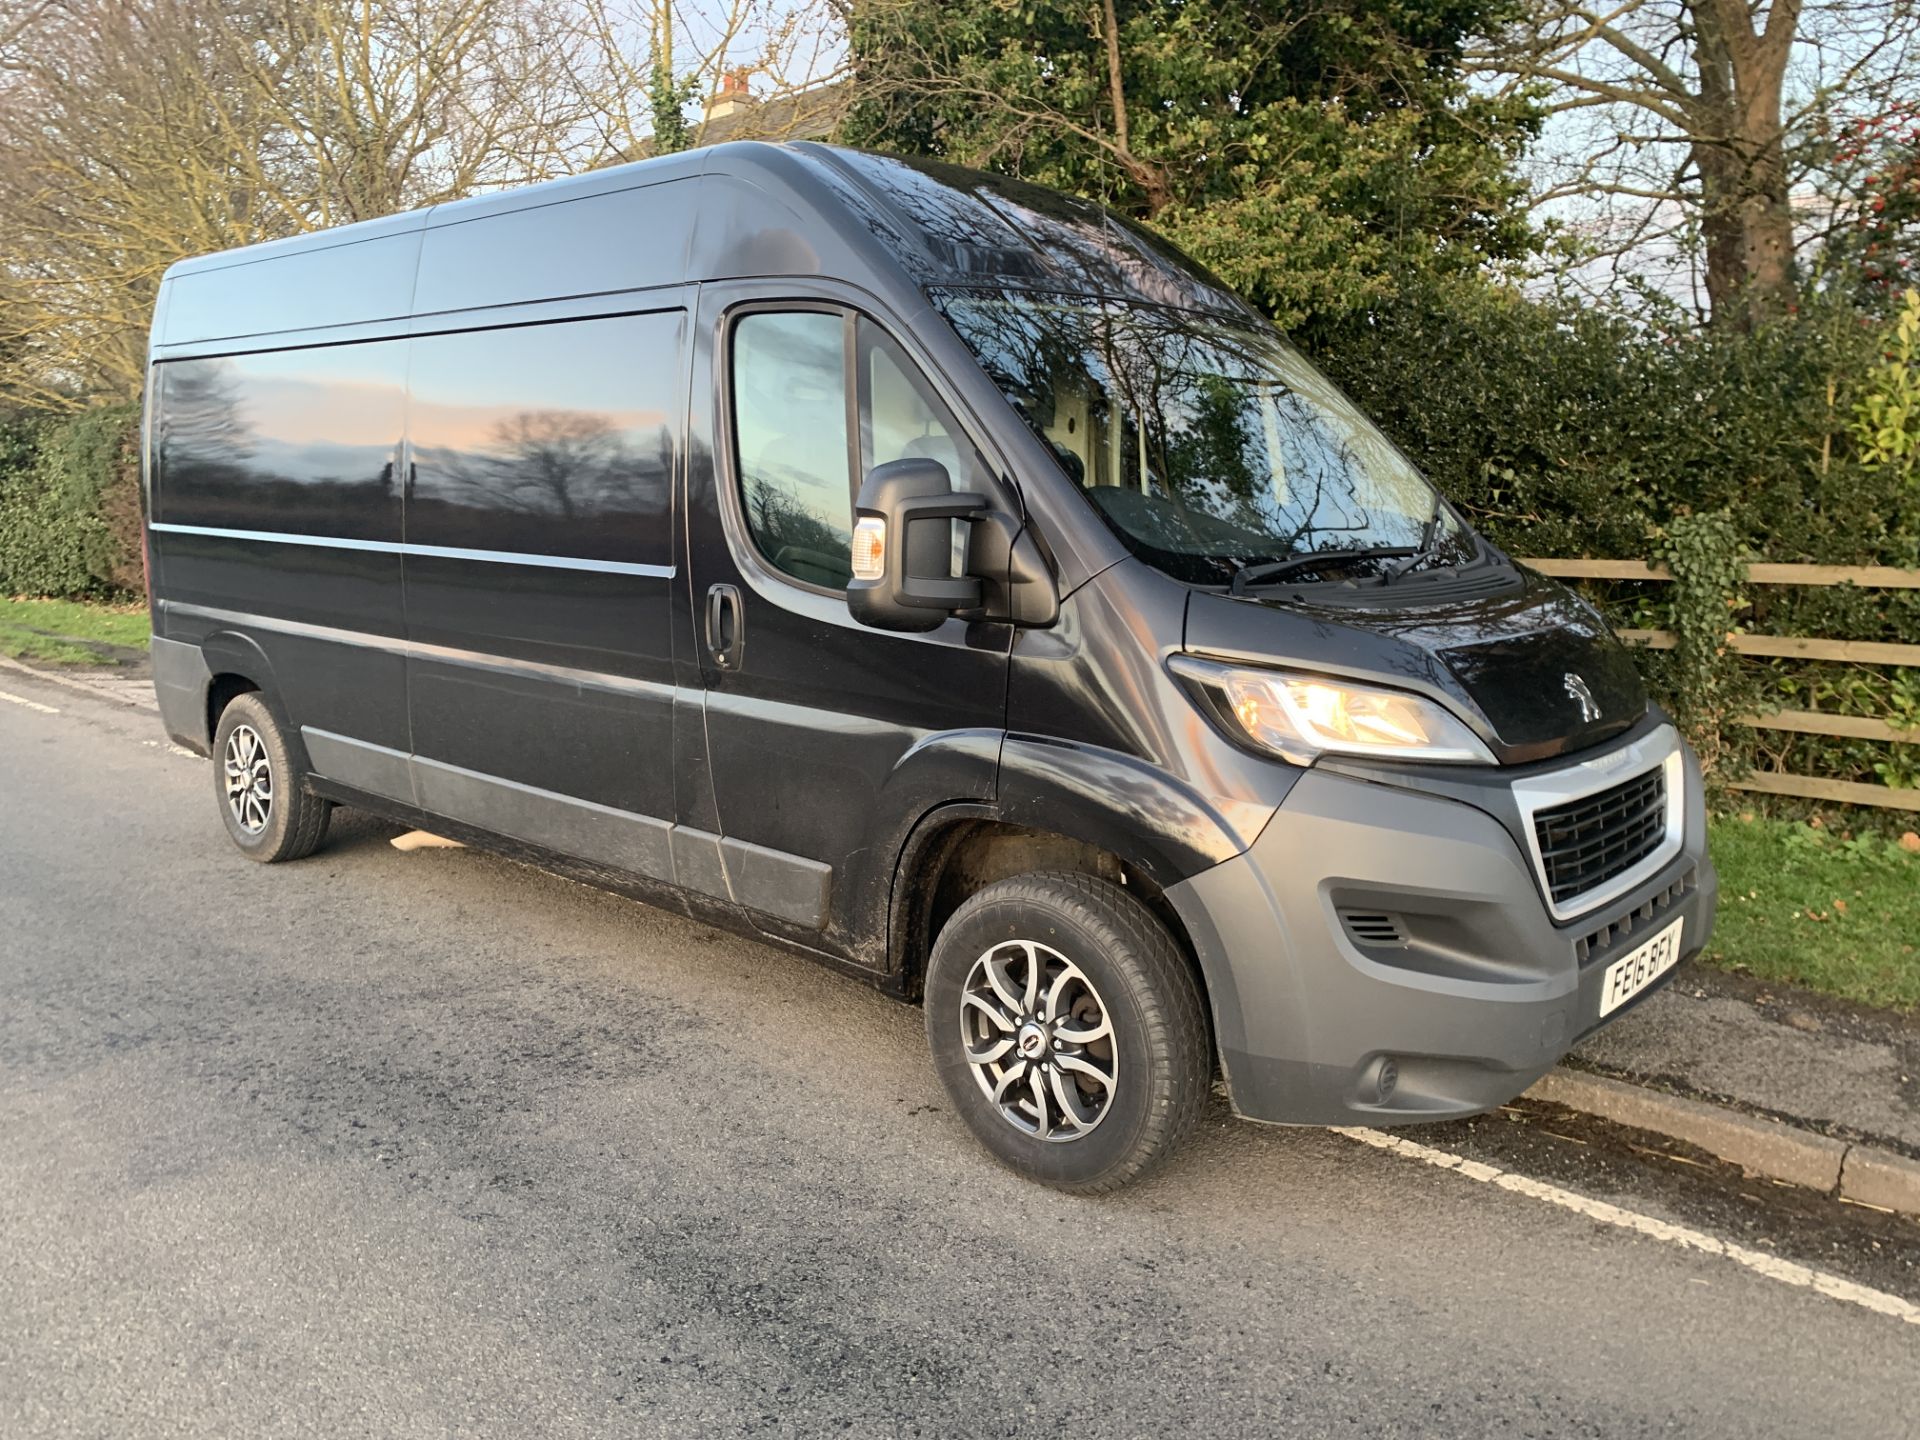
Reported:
(953, 226)
(781, 209)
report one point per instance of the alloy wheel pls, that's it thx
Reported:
(1039, 1040)
(249, 777)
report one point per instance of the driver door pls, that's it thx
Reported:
(826, 740)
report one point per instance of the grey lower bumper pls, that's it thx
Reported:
(180, 677)
(1480, 995)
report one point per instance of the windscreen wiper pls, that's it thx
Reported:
(1428, 533)
(1276, 569)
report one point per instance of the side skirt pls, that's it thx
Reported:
(695, 905)
(786, 887)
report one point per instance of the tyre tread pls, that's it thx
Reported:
(1170, 1002)
(307, 814)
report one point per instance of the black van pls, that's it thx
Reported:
(935, 576)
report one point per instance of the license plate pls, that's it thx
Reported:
(1629, 975)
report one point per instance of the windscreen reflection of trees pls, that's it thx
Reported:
(1229, 450)
(999, 229)
(221, 464)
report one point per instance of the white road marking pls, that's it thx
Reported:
(30, 704)
(171, 749)
(1771, 1266)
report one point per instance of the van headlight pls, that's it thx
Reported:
(1301, 717)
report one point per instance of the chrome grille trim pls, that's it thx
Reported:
(1657, 751)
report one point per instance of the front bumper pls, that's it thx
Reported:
(1482, 991)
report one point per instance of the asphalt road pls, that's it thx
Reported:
(420, 1144)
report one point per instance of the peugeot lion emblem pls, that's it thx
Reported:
(1589, 707)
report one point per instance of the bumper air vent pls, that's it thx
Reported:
(1637, 924)
(1371, 927)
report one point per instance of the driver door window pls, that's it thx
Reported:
(899, 417)
(790, 442)
(797, 476)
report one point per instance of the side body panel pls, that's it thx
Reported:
(276, 526)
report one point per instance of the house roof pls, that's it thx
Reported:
(810, 114)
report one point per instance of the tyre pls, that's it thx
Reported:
(262, 792)
(1068, 1030)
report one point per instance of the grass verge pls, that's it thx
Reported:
(50, 631)
(1801, 904)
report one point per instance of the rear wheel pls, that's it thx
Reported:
(1067, 1028)
(262, 792)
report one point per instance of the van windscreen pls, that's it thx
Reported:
(1209, 445)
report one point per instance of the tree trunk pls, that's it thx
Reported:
(1766, 211)
(1738, 150)
(1150, 177)
(1718, 168)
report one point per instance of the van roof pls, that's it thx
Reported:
(755, 208)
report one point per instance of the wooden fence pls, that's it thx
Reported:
(1804, 722)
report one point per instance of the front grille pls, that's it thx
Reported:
(1586, 842)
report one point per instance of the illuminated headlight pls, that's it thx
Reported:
(1304, 716)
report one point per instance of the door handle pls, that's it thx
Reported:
(725, 626)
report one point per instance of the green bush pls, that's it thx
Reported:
(1566, 430)
(69, 503)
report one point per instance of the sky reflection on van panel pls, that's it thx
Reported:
(546, 439)
(299, 442)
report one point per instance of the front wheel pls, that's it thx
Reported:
(262, 794)
(1068, 1030)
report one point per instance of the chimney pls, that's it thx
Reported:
(732, 95)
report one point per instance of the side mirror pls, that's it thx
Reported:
(903, 547)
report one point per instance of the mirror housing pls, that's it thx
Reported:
(903, 547)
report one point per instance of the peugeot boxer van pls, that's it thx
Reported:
(934, 576)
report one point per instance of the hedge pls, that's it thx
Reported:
(1565, 430)
(70, 504)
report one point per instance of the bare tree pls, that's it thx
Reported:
(124, 144)
(393, 104)
(135, 132)
(641, 63)
(1704, 110)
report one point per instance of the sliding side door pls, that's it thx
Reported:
(538, 557)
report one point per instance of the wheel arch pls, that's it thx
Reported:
(960, 849)
(1061, 805)
(238, 666)
(223, 689)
